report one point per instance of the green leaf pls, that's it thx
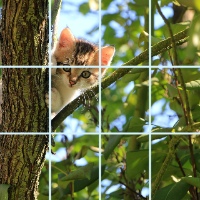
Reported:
(194, 39)
(80, 173)
(173, 92)
(142, 3)
(84, 8)
(174, 191)
(4, 191)
(114, 140)
(192, 181)
(105, 4)
(144, 37)
(134, 124)
(136, 163)
(186, 3)
(165, 2)
(80, 184)
(82, 152)
(192, 85)
(118, 194)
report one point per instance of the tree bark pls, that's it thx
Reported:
(21, 160)
(24, 32)
(24, 108)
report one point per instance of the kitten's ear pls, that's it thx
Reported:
(66, 38)
(107, 54)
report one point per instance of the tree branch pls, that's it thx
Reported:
(175, 61)
(172, 150)
(55, 10)
(194, 128)
(54, 20)
(69, 109)
(159, 47)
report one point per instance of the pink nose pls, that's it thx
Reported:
(72, 82)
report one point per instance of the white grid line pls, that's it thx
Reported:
(100, 99)
(150, 100)
(49, 103)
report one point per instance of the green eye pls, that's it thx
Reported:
(85, 74)
(67, 69)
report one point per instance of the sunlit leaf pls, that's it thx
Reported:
(193, 85)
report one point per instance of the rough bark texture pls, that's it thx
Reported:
(24, 32)
(24, 108)
(21, 160)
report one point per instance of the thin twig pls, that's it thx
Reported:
(180, 96)
(171, 34)
(195, 193)
(138, 194)
(188, 110)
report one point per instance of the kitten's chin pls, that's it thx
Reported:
(73, 87)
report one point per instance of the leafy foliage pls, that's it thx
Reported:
(172, 19)
(120, 109)
(175, 100)
(181, 179)
(126, 173)
(168, 92)
(124, 21)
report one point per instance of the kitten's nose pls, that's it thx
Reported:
(72, 82)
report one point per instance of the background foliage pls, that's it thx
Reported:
(124, 158)
(177, 16)
(168, 102)
(181, 175)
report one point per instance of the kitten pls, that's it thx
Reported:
(67, 83)
(72, 51)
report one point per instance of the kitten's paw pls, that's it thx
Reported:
(56, 100)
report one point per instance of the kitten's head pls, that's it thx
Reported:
(79, 78)
(71, 51)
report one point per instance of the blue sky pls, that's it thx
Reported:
(78, 23)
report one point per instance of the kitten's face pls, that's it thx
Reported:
(71, 51)
(79, 78)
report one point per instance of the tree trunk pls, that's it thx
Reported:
(24, 32)
(24, 41)
(21, 160)
(24, 108)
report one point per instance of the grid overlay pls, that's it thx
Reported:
(100, 120)
(99, 97)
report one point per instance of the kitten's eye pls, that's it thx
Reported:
(85, 74)
(67, 69)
